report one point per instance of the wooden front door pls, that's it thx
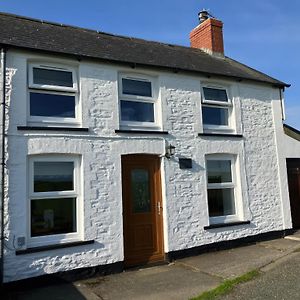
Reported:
(293, 166)
(142, 209)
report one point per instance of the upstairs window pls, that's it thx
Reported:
(138, 103)
(53, 94)
(216, 108)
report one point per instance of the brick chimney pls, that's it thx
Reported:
(208, 35)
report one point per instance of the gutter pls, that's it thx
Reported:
(2, 122)
(291, 132)
(133, 65)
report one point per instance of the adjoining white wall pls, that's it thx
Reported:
(185, 199)
(291, 147)
(281, 154)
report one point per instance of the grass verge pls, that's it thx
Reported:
(227, 286)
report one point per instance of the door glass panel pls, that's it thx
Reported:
(140, 191)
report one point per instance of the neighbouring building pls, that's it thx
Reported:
(119, 151)
(291, 148)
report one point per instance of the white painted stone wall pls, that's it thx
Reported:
(184, 196)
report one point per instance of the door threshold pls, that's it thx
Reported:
(146, 265)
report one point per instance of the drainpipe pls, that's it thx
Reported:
(2, 122)
(281, 91)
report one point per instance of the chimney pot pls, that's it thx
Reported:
(203, 15)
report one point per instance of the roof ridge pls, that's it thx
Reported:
(23, 32)
(96, 31)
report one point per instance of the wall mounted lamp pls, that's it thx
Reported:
(170, 151)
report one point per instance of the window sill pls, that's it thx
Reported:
(221, 134)
(212, 226)
(141, 131)
(52, 128)
(53, 247)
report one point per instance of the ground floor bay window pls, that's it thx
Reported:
(54, 199)
(221, 188)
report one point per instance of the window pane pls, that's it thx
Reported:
(215, 115)
(52, 77)
(52, 105)
(136, 87)
(140, 192)
(221, 202)
(137, 111)
(53, 176)
(53, 216)
(219, 171)
(215, 94)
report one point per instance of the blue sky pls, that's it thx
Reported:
(263, 34)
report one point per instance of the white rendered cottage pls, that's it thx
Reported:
(120, 151)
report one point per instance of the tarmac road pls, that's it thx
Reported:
(280, 280)
(278, 260)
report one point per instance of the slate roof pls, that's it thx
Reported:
(26, 33)
(291, 132)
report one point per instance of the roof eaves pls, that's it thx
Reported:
(133, 64)
(291, 132)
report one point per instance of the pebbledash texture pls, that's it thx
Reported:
(91, 177)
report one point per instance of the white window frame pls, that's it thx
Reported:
(225, 185)
(135, 98)
(53, 89)
(76, 193)
(218, 104)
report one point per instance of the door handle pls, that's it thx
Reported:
(158, 208)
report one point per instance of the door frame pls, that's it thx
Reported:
(132, 159)
(294, 163)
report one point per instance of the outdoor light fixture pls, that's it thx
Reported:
(170, 151)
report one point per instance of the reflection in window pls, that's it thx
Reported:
(138, 104)
(53, 176)
(221, 202)
(52, 105)
(136, 87)
(215, 116)
(52, 94)
(220, 187)
(215, 94)
(54, 193)
(52, 77)
(216, 108)
(53, 216)
(137, 111)
(219, 171)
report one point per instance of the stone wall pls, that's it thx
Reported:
(184, 191)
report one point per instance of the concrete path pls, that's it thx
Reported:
(182, 279)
